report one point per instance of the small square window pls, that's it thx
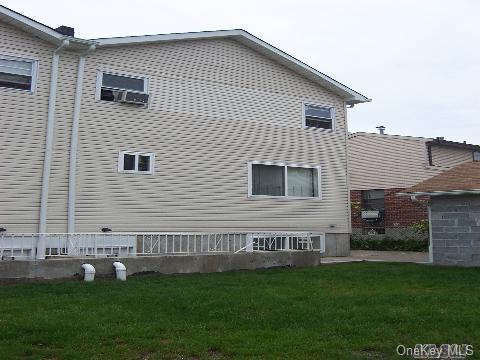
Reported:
(318, 117)
(136, 162)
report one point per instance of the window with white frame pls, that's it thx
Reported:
(319, 117)
(111, 86)
(136, 162)
(284, 180)
(17, 73)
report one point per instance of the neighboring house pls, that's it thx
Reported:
(195, 132)
(381, 165)
(454, 209)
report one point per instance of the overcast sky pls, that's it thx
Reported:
(418, 60)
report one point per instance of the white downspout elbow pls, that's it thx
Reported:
(120, 270)
(89, 272)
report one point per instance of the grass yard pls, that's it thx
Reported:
(351, 311)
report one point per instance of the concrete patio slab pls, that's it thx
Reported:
(384, 256)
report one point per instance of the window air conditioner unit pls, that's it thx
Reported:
(131, 97)
(371, 214)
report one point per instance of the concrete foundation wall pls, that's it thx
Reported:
(173, 264)
(337, 245)
(455, 225)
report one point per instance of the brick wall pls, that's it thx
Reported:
(456, 230)
(400, 211)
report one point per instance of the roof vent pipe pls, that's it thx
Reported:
(381, 129)
(89, 272)
(120, 270)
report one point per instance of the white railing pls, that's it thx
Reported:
(30, 246)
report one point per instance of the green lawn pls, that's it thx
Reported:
(337, 311)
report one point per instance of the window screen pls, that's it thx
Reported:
(16, 74)
(143, 163)
(373, 199)
(318, 117)
(123, 82)
(128, 162)
(268, 180)
(302, 182)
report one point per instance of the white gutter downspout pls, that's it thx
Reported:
(72, 176)
(430, 239)
(47, 162)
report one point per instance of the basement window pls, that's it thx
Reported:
(17, 73)
(130, 162)
(276, 180)
(122, 88)
(319, 117)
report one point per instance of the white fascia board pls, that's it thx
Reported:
(145, 39)
(350, 96)
(30, 25)
(438, 193)
(391, 136)
(37, 29)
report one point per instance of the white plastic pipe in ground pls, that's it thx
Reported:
(121, 270)
(89, 272)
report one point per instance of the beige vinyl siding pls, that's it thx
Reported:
(215, 105)
(387, 161)
(390, 161)
(23, 119)
(448, 157)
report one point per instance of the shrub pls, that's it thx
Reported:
(387, 244)
(420, 227)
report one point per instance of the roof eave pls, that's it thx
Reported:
(350, 96)
(439, 193)
(31, 26)
(40, 30)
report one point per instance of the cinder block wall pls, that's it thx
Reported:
(456, 230)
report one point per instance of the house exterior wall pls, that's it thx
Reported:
(393, 163)
(23, 119)
(448, 157)
(455, 223)
(387, 161)
(214, 106)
